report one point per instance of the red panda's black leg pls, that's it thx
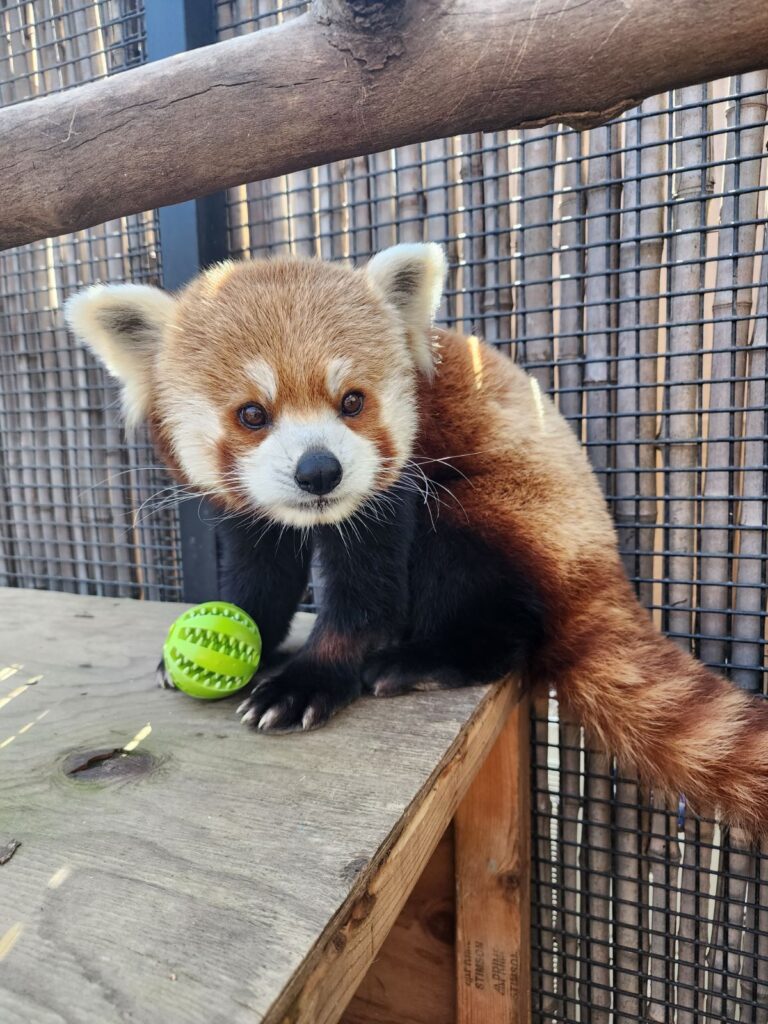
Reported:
(364, 609)
(474, 617)
(263, 569)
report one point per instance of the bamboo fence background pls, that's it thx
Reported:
(627, 269)
(72, 492)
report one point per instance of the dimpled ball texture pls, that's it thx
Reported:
(212, 650)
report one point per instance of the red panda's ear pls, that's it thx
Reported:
(123, 325)
(411, 278)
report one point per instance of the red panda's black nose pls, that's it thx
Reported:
(318, 472)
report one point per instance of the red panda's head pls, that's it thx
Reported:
(285, 387)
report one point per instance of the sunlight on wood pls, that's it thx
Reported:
(14, 693)
(25, 728)
(59, 877)
(6, 673)
(137, 739)
(9, 940)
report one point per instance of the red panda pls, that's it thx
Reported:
(461, 532)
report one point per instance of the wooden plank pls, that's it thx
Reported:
(493, 884)
(318, 996)
(213, 874)
(413, 979)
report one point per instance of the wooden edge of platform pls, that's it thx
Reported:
(493, 883)
(331, 973)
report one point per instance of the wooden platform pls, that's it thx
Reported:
(175, 867)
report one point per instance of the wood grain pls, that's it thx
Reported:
(493, 884)
(413, 979)
(318, 996)
(212, 875)
(330, 85)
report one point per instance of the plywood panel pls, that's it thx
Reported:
(210, 875)
(412, 980)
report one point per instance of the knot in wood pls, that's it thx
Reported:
(111, 764)
(351, 870)
(440, 923)
(369, 30)
(373, 16)
(361, 911)
(510, 883)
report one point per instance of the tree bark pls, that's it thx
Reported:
(348, 78)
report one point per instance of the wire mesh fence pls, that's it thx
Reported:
(642, 911)
(77, 503)
(626, 267)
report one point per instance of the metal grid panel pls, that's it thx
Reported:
(658, 270)
(237, 17)
(642, 911)
(626, 267)
(80, 509)
(50, 45)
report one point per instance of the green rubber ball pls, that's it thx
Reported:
(212, 650)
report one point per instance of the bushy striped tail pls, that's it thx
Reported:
(683, 728)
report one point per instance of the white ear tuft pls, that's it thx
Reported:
(123, 324)
(411, 278)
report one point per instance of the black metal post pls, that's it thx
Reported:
(192, 235)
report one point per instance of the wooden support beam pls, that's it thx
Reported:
(412, 980)
(348, 78)
(493, 924)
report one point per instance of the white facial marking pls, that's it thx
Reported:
(337, 374)
(263, 376)
(399, 414)
(267, 473)
(196, 430)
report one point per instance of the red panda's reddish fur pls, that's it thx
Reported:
(522, 484)
(530, 491)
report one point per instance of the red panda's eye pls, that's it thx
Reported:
(252, 416)
(352, 403)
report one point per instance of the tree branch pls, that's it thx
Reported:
(351, 77)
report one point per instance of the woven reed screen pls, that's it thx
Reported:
(80, 509)
(626, 267)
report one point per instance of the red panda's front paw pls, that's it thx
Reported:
(303, 696)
